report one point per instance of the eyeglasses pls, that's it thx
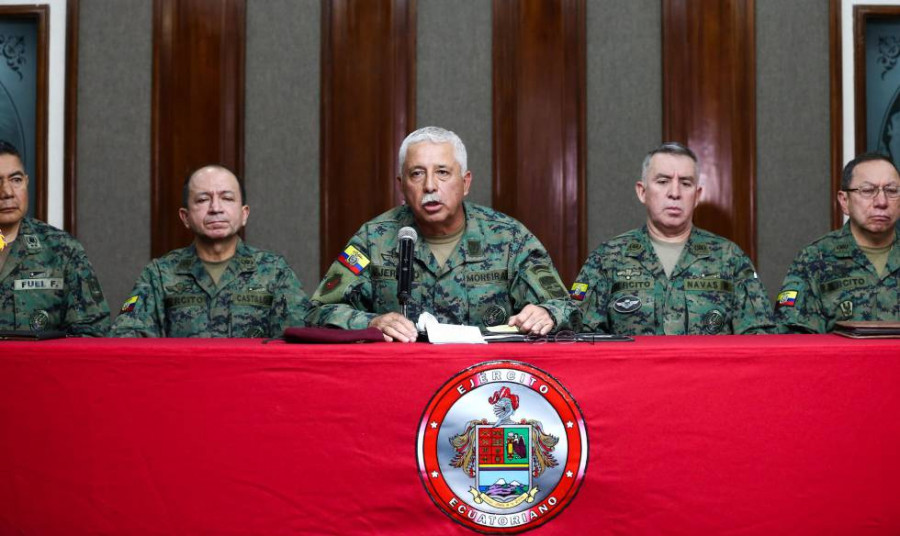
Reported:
(563, 336)
(869, 192)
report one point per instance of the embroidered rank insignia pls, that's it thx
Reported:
(129, 304)
(353, 259)
(578, 291)
(787, 298)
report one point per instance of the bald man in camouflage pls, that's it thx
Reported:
(218, 286)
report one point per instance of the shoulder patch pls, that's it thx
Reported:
(94, 285)
(548, 281)
(354, 260)
(788, 298)
(129, 304)
(578, 291)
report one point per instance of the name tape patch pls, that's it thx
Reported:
(46, 283)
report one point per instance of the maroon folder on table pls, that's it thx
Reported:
(331, 335)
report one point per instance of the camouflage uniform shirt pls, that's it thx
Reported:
(258, 295)
(832, 280)
(497, 269)
(48, 283)
(713, 289)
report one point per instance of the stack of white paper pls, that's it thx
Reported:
(448, 333)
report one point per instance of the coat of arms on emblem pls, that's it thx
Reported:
(502, 447)
(504, 456)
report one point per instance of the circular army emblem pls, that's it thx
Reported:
(502, 447)
(494, 315)
(353, 259)
(39, 320)
(713, 321)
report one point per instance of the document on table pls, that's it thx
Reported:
(448, 333)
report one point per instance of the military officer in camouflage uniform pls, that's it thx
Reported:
(669, 277)
(852, 273)
(46, 280)
(473, 265)
(218, 286)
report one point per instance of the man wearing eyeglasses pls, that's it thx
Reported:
(670, 277)
(852, 273)
(46, 280)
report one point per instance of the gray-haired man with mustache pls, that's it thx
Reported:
(473, 265)
(218, 286)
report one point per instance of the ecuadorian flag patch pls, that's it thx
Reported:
(578, 291)
(129, 304)
(787, 298)
(353, 259)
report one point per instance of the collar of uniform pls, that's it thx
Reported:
(893, 264)
(189, 263)
(422, 252)
(639, 247)
(696, 247)
(845, 245)
(243, 259)
(17, 249)
(472, 240)
(27, 237)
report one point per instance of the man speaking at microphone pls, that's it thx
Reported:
(471, 264)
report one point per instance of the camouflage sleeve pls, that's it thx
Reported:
(87, 313)
(537, 282)
(143, 313)
(752, 308)
(798, 306)
(343, 298)
(291, 304)
(592, 290)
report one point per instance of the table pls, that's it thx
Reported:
(687, 435)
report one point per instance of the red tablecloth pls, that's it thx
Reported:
(688, 435)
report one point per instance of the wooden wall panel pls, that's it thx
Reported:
(837, 108)
(198, 102)
(709, 103)
(70, 178)
(368, 107)
(539, 122)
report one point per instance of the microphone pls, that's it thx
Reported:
(406, 272)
